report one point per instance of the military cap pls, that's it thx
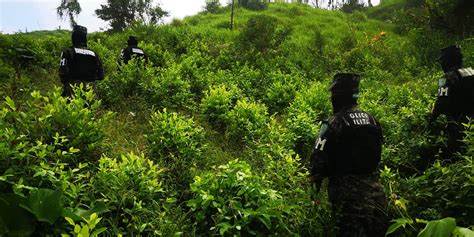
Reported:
(79, 35)
(345, 83)
(79, 29)
(132, 40)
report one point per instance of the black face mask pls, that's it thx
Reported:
(341, 101)
(79, 39)
(450, 58)
(450, 63)
(132, 41)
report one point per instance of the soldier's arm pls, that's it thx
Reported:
(64, 66)
(100, 71)
(441, 105)
(320, 156)
(121, 57)
(146, 59)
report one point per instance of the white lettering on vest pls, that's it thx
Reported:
(443, 91)
(466, 72)
(137, 51)
(320, 144)
(84, 52)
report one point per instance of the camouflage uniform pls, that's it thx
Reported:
(78, 63)
(348, 151)
(455, 97)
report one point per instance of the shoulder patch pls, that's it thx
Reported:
(324, 129)
(137, 51)
(442, 82)
(84, 52)
(466, 72)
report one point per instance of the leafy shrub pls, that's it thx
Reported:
(87, 228)
(261, 34)
(41, 142)
(132, 189)
(250, 80)
(232, 200)
(50, 119)
(280, 93)
(246, 120)
(168, 89)
(253, 4)
(212, 6)
(176, 141)
(194, 67)
(125, 82)
(20, 215)
(445, 189)
(217, 102)
(310, 106)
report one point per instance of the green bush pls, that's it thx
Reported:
(261, 35)
(245, 122)
(43, 143)
(126, 82)
(177, 142)
(310, 106)
(255, 5)
(168, 89)
(217, 102)
(280, 93)
(7, 77)
(232, 200)
(48, 119)
(132, 189)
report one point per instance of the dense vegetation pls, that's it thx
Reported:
(213, 137)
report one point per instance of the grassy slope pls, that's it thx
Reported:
(125, 132)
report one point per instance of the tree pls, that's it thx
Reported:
(212, 6)
(122, 13)
(69, 8)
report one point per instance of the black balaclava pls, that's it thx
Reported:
(344, 91)
(79, 36)
(450, 58)
(132, 41)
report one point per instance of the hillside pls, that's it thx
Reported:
(213, 137)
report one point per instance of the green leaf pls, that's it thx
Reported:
(69, 213)
(85, 231)
(14, 220)
(98, 231)
(463, 232)
(70, 221)
(45, 204)
(223, 227)
(10, 103)
(439, 228)
(398, 223)
(79, 213)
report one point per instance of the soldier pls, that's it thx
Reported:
(347, 152)
(78, 63)
(455, 97)
(132, 50)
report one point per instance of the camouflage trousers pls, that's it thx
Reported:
(360, 205)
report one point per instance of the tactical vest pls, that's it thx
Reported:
(129, 52)
(358, 144)
(84, 66)
(456, 93)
